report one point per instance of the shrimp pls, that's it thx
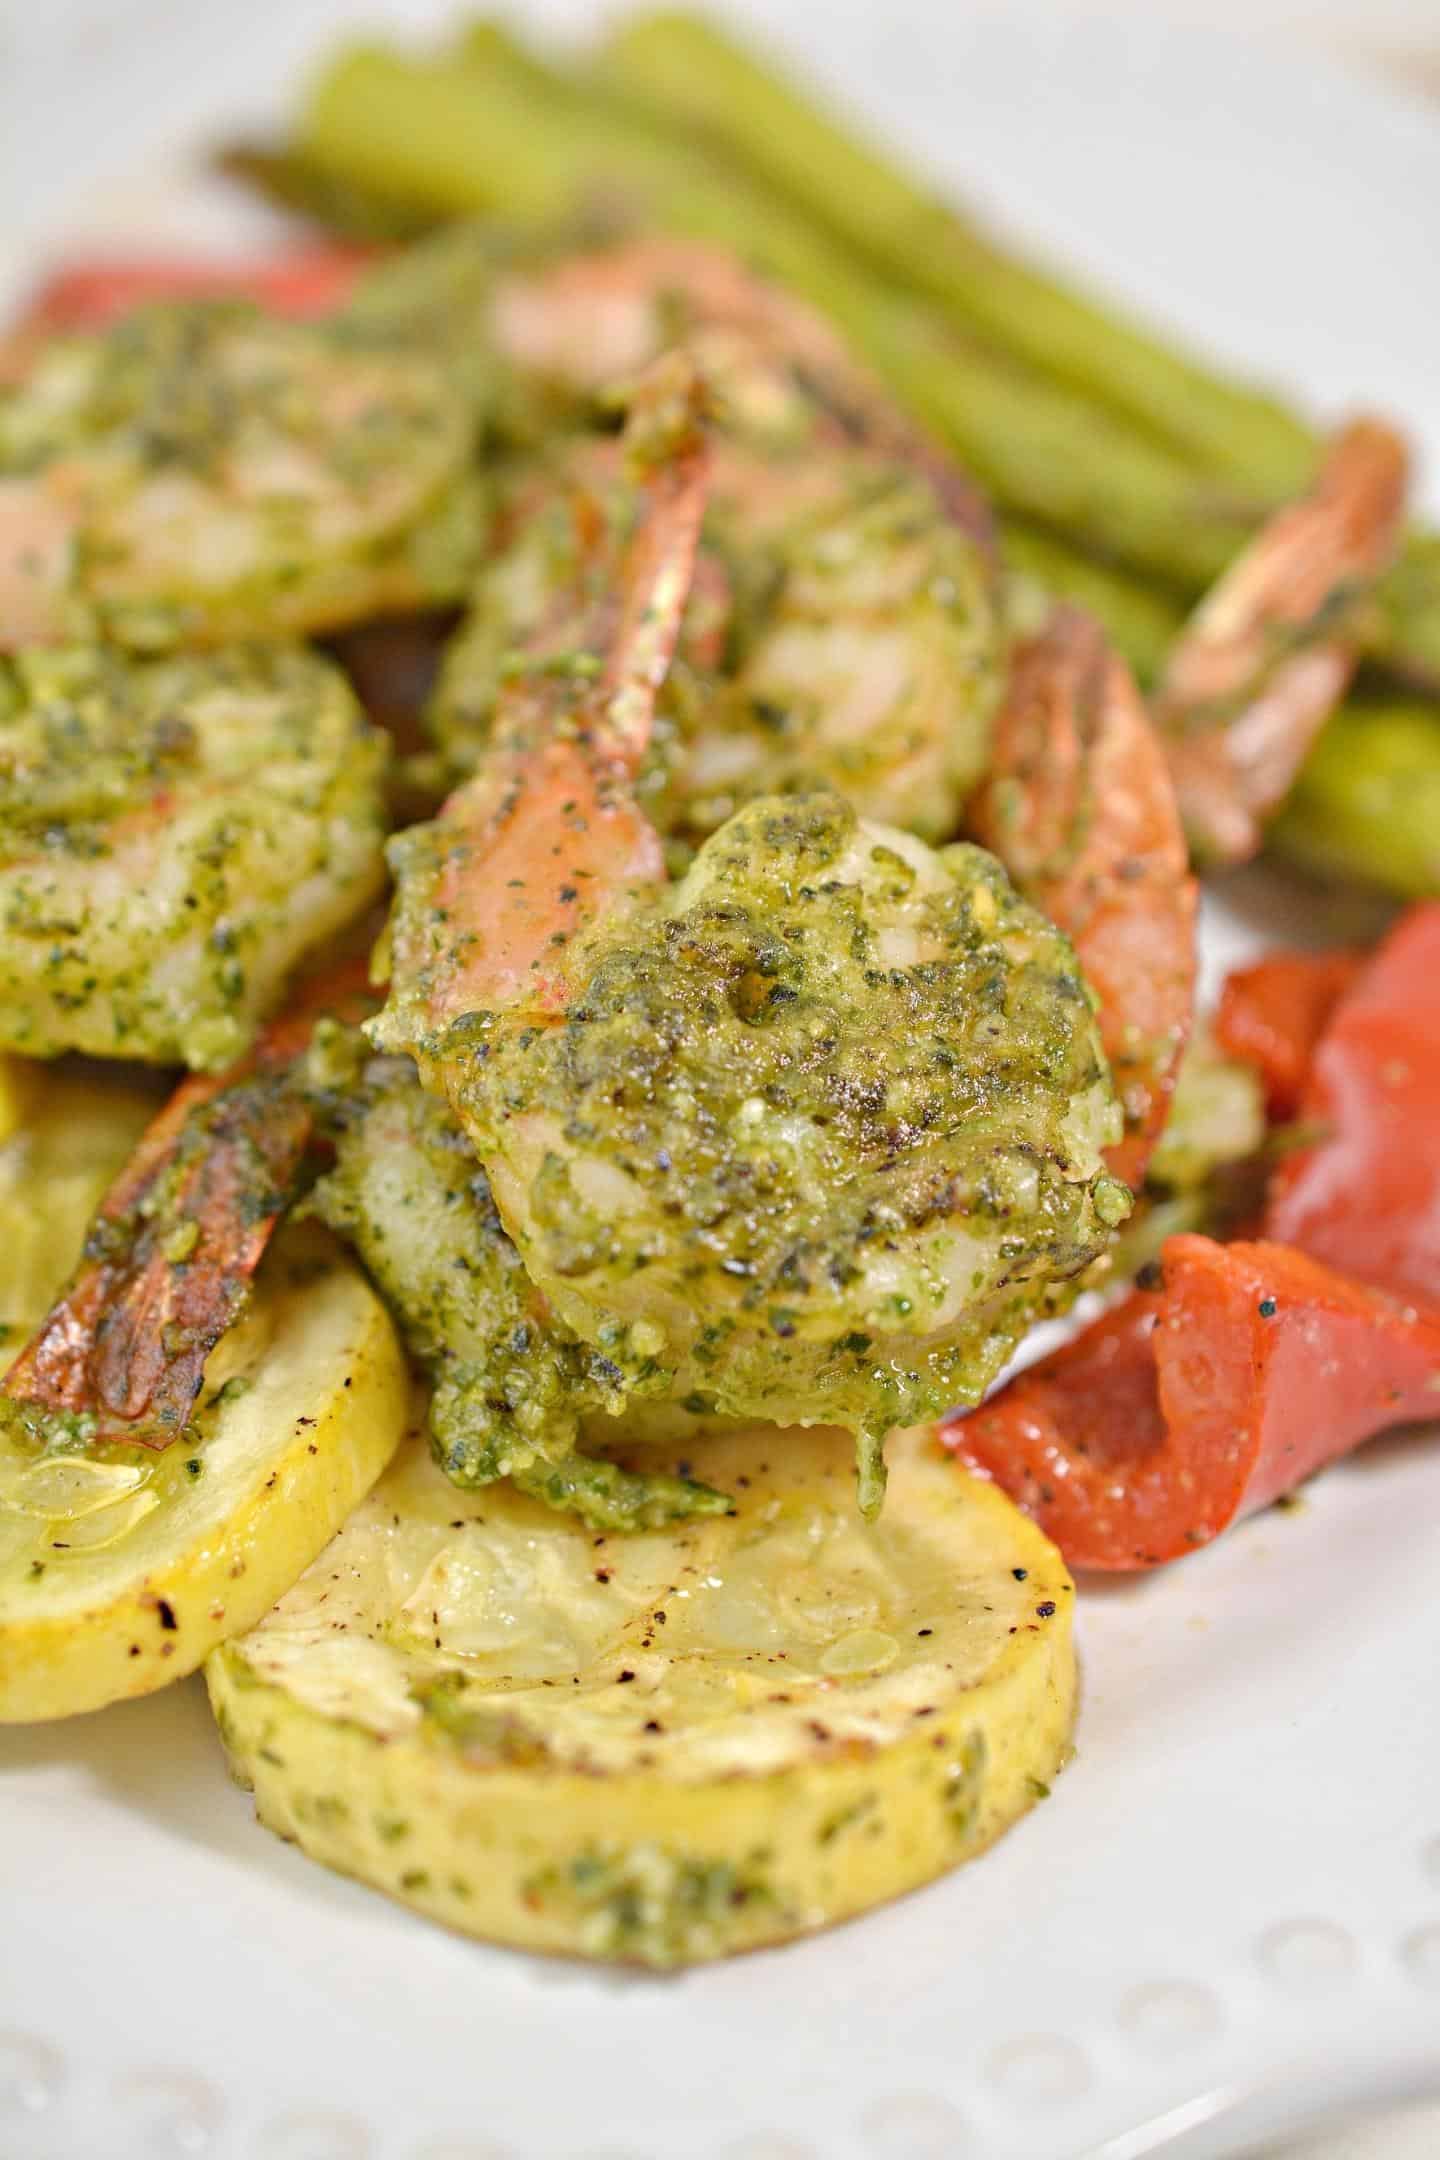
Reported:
(571, 330)
(1080, 808)
(806, 1136)
(842, 625)
(508, 1384)
(1270, 651)
(202, 471)
(169, 1258)
(175, 837)
(1078, 803)
(867, 657)
(571, 725)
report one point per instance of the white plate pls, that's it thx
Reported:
(1227, 1921)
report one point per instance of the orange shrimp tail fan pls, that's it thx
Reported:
(547, 837)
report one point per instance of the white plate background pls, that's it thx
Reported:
(1227, 1920)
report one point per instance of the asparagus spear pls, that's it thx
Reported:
(1367, 805)
(1039, 448)
(687, 69)
(486, 41)
(1405, 630)
(1142, 620)
(288, 180)
(491, 129)
(693, 72)
(450, 137)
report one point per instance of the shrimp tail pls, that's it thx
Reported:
(547, 835)
(1080, 808)
(669, 457)
(1271, 649)
(175, 1243)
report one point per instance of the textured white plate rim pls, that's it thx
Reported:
(1228, 1921)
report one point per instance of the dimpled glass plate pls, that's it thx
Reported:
(1226, 1922)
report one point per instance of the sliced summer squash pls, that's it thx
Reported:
(666, 1747)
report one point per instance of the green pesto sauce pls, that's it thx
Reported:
(508, 1385)
(230, 471)
(175, 836)
(652, 1905)
(856, 1097)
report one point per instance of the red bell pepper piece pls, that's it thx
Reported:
(1366, 1197)
(87, 295)
(1272, 1016)
(1186, 1407)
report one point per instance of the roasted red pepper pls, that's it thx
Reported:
(1272, 1016)
(86, 296)
(1366, 1196)
(89, 295)
(1254, 1364)
(1189, 1406)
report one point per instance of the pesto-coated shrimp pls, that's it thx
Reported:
(808, 1134)
(176, 836)
(570, 330)
(547, 836)
(203, 471)
(1079, 806)
(509, 1384)
(567, 333)
(819, 1126)
(1269, 652)
(842, 624)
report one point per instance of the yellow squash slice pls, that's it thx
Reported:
(665, 1747)
(121, 1568)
